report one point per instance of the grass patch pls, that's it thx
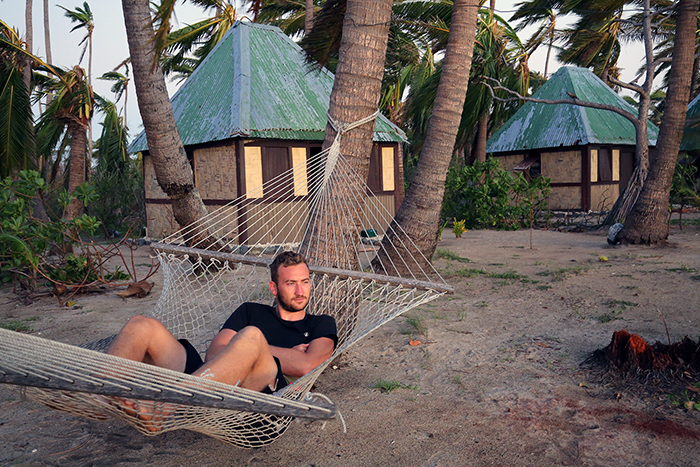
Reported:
(450, 256)
(682, 268)
(16, 325)
(544, 287)
(388, 386)
(695, 277)
(560, 274)
(470, 272)
(686, 222)
(621, 304)
(614, 315)
(417, 325)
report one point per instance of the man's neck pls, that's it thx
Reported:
(290, 315)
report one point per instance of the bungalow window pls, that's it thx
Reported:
(269, 163)
(381, 169)
(605, 165)
(531, 167)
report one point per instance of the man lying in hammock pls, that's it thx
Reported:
(256, 347)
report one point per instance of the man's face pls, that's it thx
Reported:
(292, 288)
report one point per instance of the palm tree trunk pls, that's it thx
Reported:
(481, 138)
(76, 166)
(418, 215)
(648, 220)
(47, 41)
(173, 171)
(309, 17)
(355, 95)
(30, 43)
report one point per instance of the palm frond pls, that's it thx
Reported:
(16, 126)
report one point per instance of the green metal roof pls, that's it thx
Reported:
(256, 84)
(540, 126)
(691, 132)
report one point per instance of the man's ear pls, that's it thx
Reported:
(273, 288)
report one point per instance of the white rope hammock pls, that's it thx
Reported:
(320, 208)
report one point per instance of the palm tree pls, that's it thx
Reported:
(173, 171)
(47, 37)
(593, 42)
(16, 125)
(417, 215)
(545, 33)
(71, 109)
(84, 19)
(29, 41)
(648, 220)
(120, 86)
(355, 95)
(181, 51)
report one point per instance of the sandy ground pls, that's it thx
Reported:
(497, 380)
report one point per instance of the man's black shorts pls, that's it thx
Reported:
(194, 361)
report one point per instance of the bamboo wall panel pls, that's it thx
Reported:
(508, 162)
(604, 196)
(289, 218)
(152, 189)
(215, 172)
(562, 166)
(565, 198)
(379, 220)
(160, 220)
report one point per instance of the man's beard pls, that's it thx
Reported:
(291, 306)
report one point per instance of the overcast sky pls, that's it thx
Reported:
(110, 47)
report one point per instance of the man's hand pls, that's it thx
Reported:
(297, 364)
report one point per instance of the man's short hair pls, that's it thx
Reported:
(286, 258)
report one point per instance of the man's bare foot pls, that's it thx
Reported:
(152, 413)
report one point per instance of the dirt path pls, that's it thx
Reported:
(497, 380)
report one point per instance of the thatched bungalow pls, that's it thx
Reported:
(691, 133)
(587, 153)
(252, 110)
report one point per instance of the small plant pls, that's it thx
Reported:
(16, 325)
(388, 386)
(682, 268)
(470, 272)
(417, 324)
(614, 315)
(450, 255)
(458, 227)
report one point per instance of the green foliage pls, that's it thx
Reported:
(120, 209)
(31, 249)
(683, 190)
(388, 386)
(486, 196)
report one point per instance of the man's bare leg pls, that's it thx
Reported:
(245, 361)
(146, 340)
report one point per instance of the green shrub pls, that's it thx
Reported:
(486, 196)
(57, 251)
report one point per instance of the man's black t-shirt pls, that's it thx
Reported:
(279, 332)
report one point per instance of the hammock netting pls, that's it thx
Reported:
(364, 271)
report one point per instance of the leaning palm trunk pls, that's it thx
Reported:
(355, 96)
(419, 214)
(648, 221)
(76, 168)
(172, 168)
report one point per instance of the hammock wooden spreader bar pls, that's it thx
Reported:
(27, 360)
(335, 272)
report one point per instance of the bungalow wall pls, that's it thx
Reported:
(582, 178)
(221, 177)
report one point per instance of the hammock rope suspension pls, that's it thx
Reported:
(321, 208)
